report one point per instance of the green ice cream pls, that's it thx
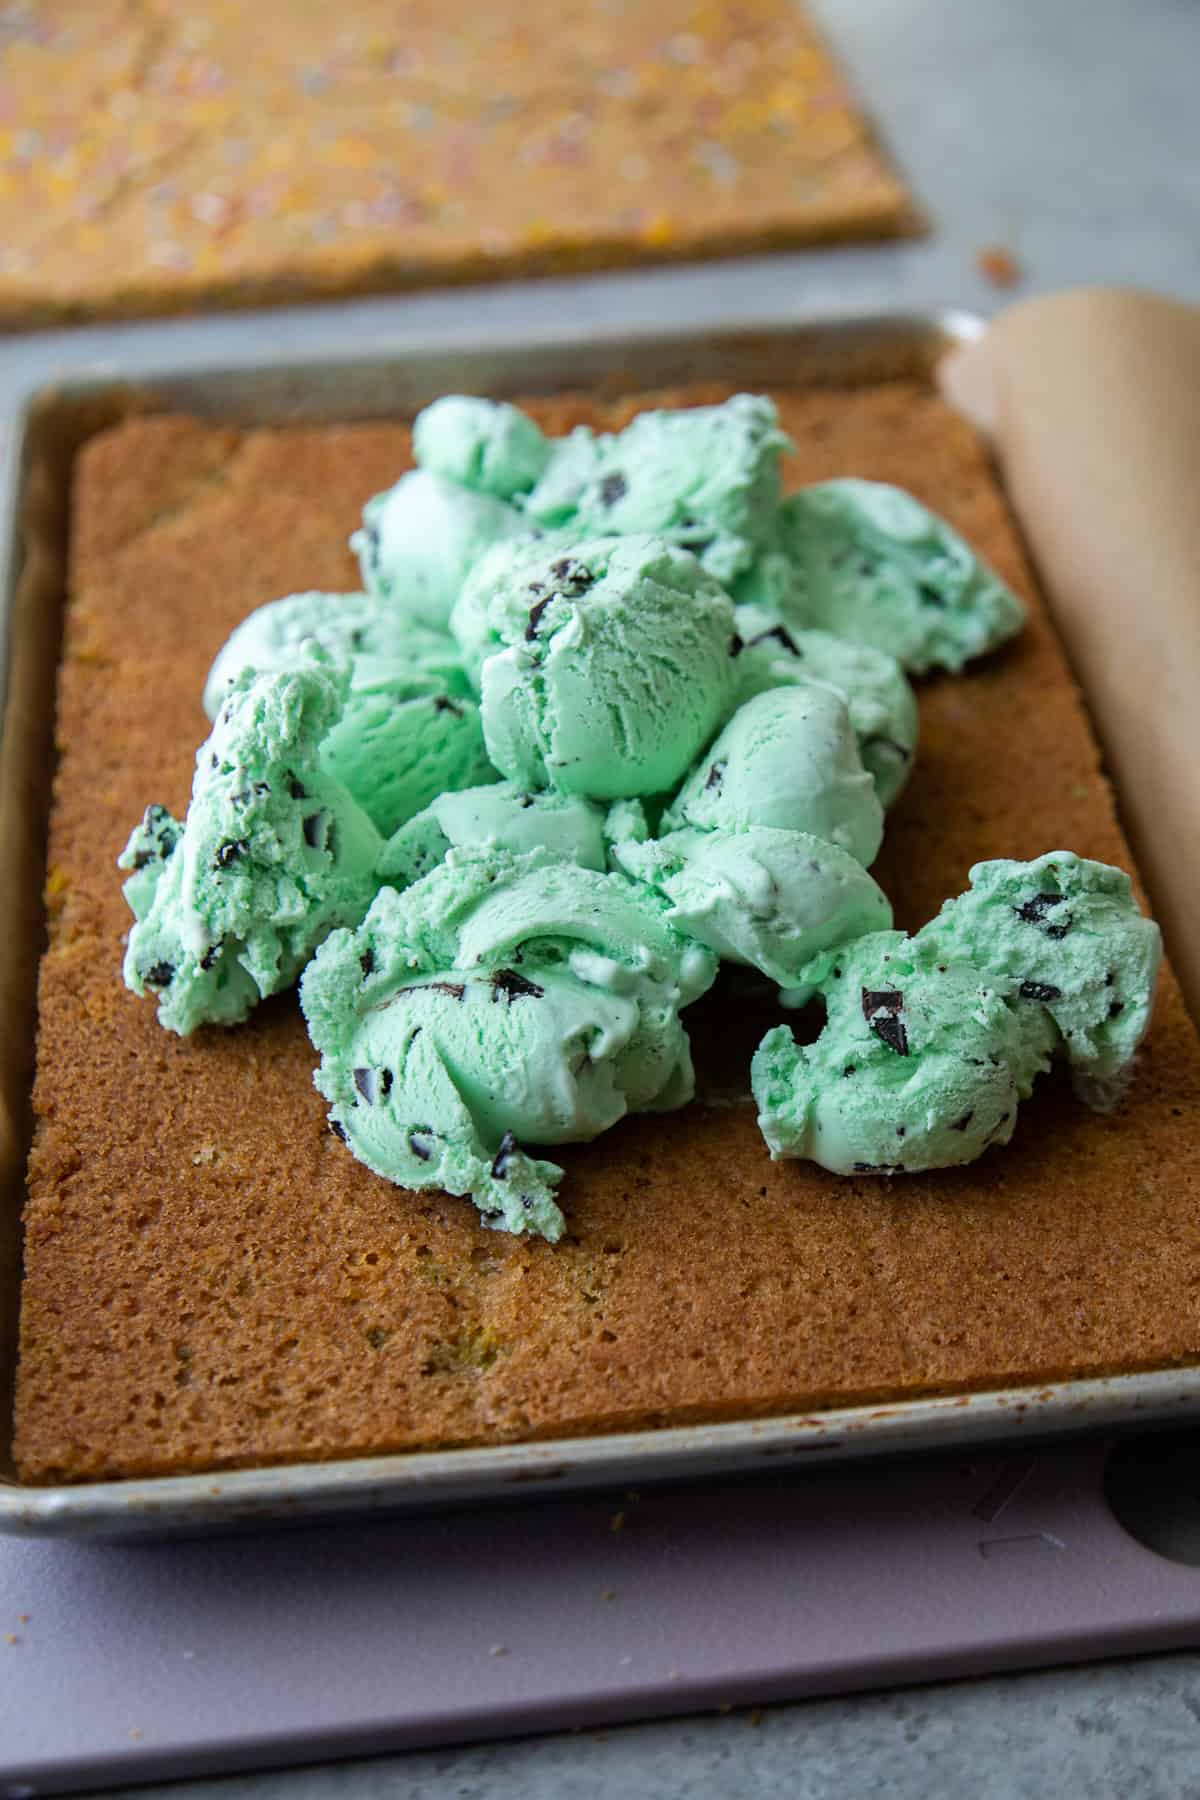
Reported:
(760, 896)
(707, 477)
(281, 635)
(506, 568)
(613, 669)
(486, 445)
(273, 854)
(881, 704)
(787, 758)
(420, 538)
(501, 1000)
(501, 816)
(398, 745)
(868, 562)
(503, 568)
(410, 727)
(1065, 934)
(930, 1041)
(921, 1064)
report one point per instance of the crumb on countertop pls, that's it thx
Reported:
(999, 265)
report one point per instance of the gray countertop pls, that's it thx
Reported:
(1070, 133)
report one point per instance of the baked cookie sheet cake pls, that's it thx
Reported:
(161, 158)
(213, 1281)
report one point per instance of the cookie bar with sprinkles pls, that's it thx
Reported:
(166, 158)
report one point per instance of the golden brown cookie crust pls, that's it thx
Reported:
(213, 1281)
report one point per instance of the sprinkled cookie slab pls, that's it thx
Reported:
(155, 158)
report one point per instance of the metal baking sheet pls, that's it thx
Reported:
(320, 380)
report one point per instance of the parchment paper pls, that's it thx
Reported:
(1092, 402)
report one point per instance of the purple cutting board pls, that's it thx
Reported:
(161, 1661)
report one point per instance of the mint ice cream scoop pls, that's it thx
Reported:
(768, 898)
(482, 906)
(403, 740)
(424, 1074)
(707, 477)
(151, 846)
(410, 727)
(921, 1064)
(878, 696)
(503, 568)
(486, 445)
(870, 563)
(282, 635)
(930, 1041)
(500, 1001)
(420, 538)
(502, 816)
(273, 854)
(613, 669)
(476, 621)
(787, 758)
(1064, 934)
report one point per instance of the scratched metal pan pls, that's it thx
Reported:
(321, 381)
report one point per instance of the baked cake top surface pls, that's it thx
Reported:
(212, 1280)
